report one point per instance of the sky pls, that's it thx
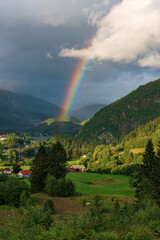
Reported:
(42, 41)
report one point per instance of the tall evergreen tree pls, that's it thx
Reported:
(39, 170)
(155, 176)
(148, 161)
(146, 172)
(57, 161)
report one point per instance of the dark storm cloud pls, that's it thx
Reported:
(25, 66)
(33, 33)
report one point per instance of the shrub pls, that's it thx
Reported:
(141, 233)
(49, 206)
(33, 216)
(24, 197)
(13, 190)
(106, 236)
(61, 187)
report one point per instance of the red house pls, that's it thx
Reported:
(78, 168)
(24, 173)
(70, 170)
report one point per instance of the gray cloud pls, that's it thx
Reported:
(32, 33)
(129, 32)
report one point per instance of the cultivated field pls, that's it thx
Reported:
(92, 183)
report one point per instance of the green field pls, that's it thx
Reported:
(91, 183)
(23, 167)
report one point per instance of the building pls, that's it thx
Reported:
(78, 168)
(24, 173)
(70, 170)
(5, 170)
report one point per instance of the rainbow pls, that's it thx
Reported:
(74, 84)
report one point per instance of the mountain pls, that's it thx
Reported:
(116, 120)
(18, 112)
(86, 112)
(59, 125)
(138, 138)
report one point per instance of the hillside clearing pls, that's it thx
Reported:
(114, 185)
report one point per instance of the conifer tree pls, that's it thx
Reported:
(146, 172)
(39, 170)
(57, 161)
(148, 161)
(155, 176)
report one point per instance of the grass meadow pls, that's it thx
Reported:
(93, 183)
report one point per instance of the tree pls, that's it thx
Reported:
(49, 206)
(57, 161)
(13, 155)
(13, 189)
(148, 161)
(16, 168)
(39, 170)
(155, 176)
(149, 174)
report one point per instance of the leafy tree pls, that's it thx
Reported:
(16, 168)
(39, 170)
(13, 155)
(12, 140)
(57, 161)
(3, 177)
(28, 152)
(27, 139)
(13, 189)
(61, 187)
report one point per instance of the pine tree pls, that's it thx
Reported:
(148, 161)
(144, 185)
(39, 170)
(155, 176)
(57, 161)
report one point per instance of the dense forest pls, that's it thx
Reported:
(35, 216)
(113, 122)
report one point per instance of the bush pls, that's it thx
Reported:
(106, 236)
(141, 233)
(49, 206)
(33, 216)
(24, 197)
(61, 187)
(12, 191)
(3, 177)
(2, 191)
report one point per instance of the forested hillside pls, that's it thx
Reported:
(53, 126)
(86, 112)
(113, 122)
(18, 112)
(139, 137)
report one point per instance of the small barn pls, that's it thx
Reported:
(78, 168)
(24, 174)
(70, 170)
(5, 170)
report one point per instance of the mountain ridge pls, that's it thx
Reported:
(116, 120)
(18, 111)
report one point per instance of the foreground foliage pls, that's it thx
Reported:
(126, 222)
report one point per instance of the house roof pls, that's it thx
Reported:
(78, 166)
(7, 169)
(25, 172)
